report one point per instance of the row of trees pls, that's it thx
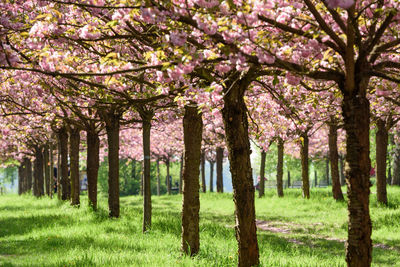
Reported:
(276, 71)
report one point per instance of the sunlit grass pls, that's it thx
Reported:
(47, 232)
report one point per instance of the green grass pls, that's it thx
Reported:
(47, 232)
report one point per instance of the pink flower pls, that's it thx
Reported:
(340, 3)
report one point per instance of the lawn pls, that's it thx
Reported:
(293, 232)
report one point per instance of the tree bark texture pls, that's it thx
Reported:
(47, 171)
(304, 166)
(261, 185)
(112, 129)
(21, 178)
(38, 172)
(74, 140)
(64, 181)
(146, 125)
(192, 130)
(29, 175)
(237, 138)
(279, 168)
(92, 166)
(382, 136)
(203, 172)
(220, 178)
(211, 175)
(356, 114)
(334, 159)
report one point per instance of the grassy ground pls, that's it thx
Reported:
(300, 232)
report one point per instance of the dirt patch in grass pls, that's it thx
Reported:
(291, 228)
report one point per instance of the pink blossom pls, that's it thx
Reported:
(340, 3)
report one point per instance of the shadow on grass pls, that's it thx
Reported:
(23, 225)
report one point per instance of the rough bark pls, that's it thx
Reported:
(279, 169)
(38, 172)
(237, 138)
(192, 130)
(74, 140)
(334, 160)
(112, 129)
(203, 171)
(64, 179)
(261, 184)
(92, 166)
(304, 166)
(382, 136)
(211, 176)
(356, 114)
(219, 160)
(146, 127)
(46, 165)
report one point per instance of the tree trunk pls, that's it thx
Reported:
(46, 165)
(38, 173)
(146, 125)
(211, 176)
(220, 179)
(51, 169)
(168, 180)
(356, 114)
(288, 179)
(381, 155)
(237, 138)
(304, 166)
(261, 184)
(29, 174)
(334, 159)
(64, 181)
(203, 171)
(342, 176)
(21, 178)
(58, 182)
(92, 167)
(315, 178)
(158, 177)
(141, 178)
(74, 140)
(192, 130)
(181, 175)
(112, 129)
(279, 169)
